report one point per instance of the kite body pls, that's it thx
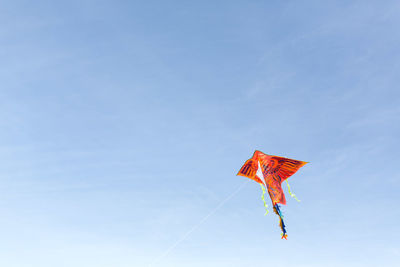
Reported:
(270, 171)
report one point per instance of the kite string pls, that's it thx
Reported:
(290, 192)
(187, 234)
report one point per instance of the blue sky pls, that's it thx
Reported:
(124, 123)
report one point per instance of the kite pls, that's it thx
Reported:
(270, 171)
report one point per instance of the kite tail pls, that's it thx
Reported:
(290, 192)
(263, 198)
(281, 223)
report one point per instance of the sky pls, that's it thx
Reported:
(124, 124)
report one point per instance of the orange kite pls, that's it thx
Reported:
(270, 171)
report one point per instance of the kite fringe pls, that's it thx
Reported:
(290, 192)
(263, 198)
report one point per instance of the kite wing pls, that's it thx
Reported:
(249, 170)
(278, 170)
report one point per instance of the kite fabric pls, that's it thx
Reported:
(270, 171)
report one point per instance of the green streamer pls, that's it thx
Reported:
(263, 198)
(290, 192)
